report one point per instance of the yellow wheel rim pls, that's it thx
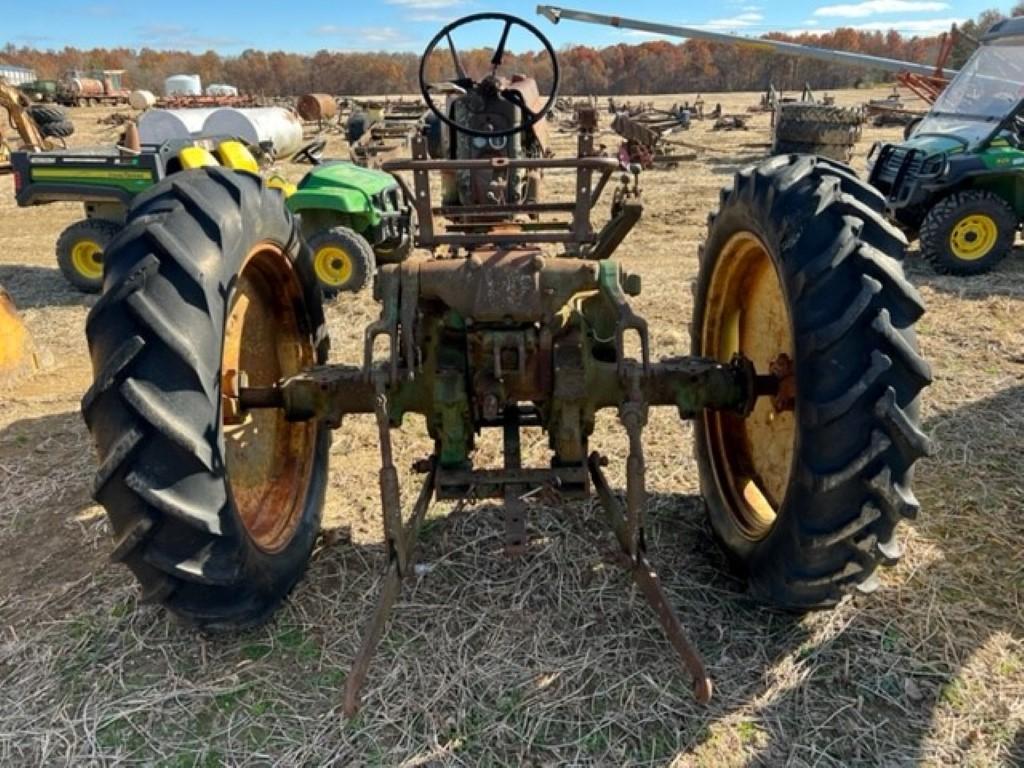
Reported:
(333, 266)
(87, 258)
(746, 313)
(269, 459)
(973, 237)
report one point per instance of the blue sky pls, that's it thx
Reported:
(230, 26)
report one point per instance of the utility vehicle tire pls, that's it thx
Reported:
(343, 260)
(216, 516)
(80, 252)
(968, 233)
(44, 114)
(61, 130)
(806, 491)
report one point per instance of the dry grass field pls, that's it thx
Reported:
(552, 659)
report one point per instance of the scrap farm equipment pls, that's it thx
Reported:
(39, 126)
(214, 400)
(826, 129)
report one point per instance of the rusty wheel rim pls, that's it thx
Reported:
(269, 460)
(746, 314)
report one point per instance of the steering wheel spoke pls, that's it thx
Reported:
(499, 52)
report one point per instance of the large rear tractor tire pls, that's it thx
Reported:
(802, 275)
(968, 233)
(215, 512)
(818, 129)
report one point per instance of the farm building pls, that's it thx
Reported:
(16, 75)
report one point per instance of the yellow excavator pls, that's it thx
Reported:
(15, 345)
(16, 104)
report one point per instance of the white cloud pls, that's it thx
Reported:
(382, 38)
(877, 7)
(923, 27)
(740, 21)
(180, 36)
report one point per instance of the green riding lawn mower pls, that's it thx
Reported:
(958, 182)
(214, 398)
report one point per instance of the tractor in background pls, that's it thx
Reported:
(214, 399)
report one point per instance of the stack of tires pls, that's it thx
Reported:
(53, 122)
(826, 130)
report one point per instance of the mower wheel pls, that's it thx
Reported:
(342, 260)
(214, 509)
(968, 233)
(805, 280)
(80, 250)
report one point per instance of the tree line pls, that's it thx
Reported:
(656, 66)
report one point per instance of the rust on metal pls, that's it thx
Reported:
(269, 458)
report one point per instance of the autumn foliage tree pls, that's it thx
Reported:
(656, 66)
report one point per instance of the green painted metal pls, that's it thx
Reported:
(345, 189)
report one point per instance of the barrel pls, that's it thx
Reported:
(141, 99)
(314, 107)
(158, 125)
(281, 127)
(87, 86)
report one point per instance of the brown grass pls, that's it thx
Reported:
(552, 659)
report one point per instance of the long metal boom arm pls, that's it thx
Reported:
(556, 14)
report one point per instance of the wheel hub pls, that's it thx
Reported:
(269, 459)
(333, 265)
(973, 237)
(87, 257)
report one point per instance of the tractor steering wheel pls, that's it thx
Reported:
(311, 153)
(492, 81)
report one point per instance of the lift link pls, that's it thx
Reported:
(647, 580)
(390, 589)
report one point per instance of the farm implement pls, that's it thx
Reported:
(214, 400)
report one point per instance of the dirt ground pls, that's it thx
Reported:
(552, 659)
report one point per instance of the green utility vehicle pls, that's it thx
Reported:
(958, 182)
(343, 208)
(352, 218)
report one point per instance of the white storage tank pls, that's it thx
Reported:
(141, 99)
(183, 85)
(281, 127)
(220, 89)
(159, 125)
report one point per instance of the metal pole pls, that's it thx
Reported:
(555, 14)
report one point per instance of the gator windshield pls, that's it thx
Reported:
(989, 86)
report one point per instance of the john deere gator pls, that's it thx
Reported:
(958, 182)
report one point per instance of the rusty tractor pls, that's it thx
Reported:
(214, 399)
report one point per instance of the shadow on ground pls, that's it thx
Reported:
(1006, 280)
(34, 287)
(548, 659)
